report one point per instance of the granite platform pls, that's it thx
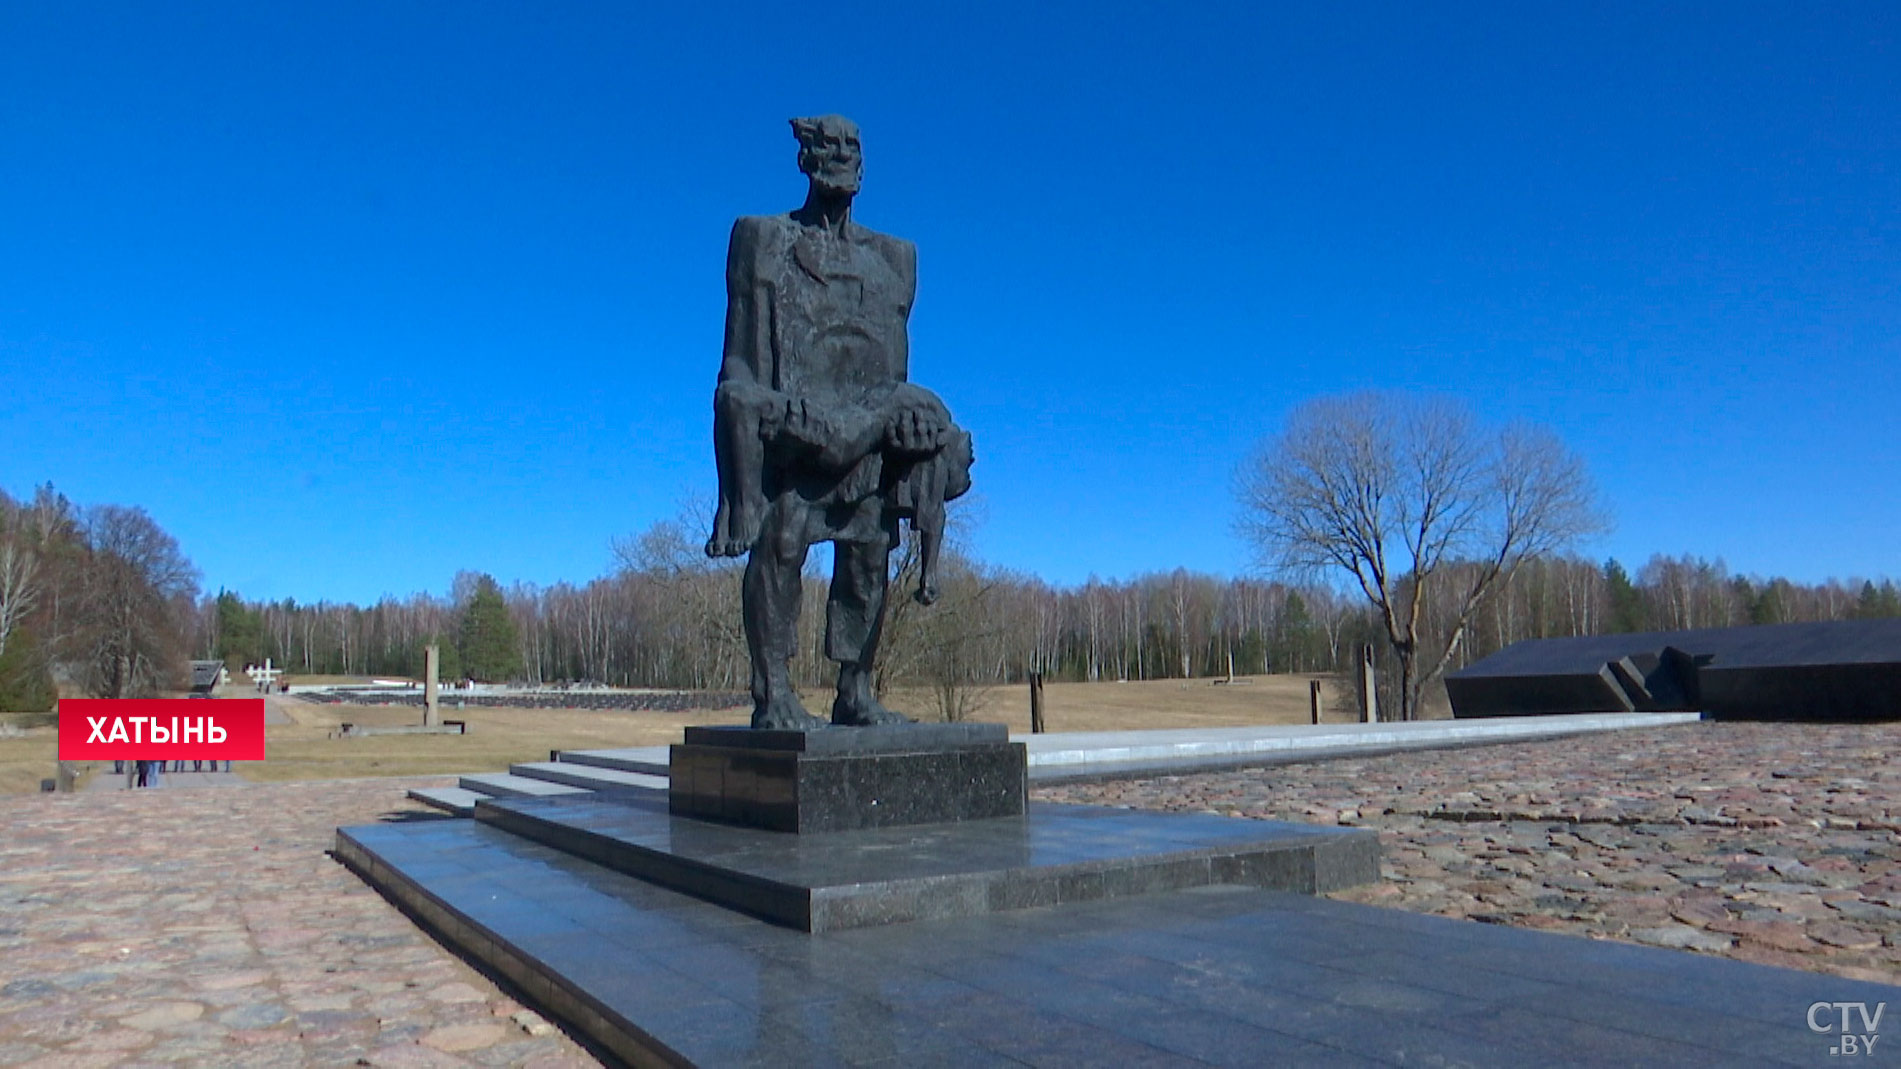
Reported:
(1055, 854)
(1211, 975)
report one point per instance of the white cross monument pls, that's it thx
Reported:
(264, 676)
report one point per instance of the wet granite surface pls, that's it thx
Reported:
(1216, 975)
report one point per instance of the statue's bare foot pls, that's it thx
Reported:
(865, 712)
(719, 545)
(729, 548)
(786, 714)
(926, 592)
(735, 528)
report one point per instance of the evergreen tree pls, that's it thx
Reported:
(1768, 605)
(1758, 604)
(240, 633)
(448, 667)
(486, 638)
(1627, 602)
(26, 685)
(1877, 602)
(1294, 637)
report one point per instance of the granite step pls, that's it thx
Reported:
(459, 801)
(1053, 855)
(592, 777)
(507, 785)
(651, 760)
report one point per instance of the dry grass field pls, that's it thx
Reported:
(1156, 703)
(27, 759)
(499, 737)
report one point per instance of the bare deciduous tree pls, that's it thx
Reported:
(139, 586)
(1687, 592)
(700, 603)
(1395, 491)
(949, 645)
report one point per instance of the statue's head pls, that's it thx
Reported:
(829, 153)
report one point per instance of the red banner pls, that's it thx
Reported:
(161, 729)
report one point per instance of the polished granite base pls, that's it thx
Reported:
(1214, 975)
(1056, 854)
(841, 779)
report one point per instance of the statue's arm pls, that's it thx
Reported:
(747, 353)
(744, 408)
(747, 392)
(902, 256)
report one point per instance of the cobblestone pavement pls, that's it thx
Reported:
(208, 927)
(104, 779)
(1772, 843)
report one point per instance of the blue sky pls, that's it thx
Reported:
(353, 296)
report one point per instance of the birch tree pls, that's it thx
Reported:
(19, 582)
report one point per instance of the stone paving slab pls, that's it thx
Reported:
(208, 927)
(1771, 843)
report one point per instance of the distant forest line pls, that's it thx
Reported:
(102, 601)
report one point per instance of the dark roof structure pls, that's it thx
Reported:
(1834, 670)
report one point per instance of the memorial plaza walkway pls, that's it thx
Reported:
(200, 926)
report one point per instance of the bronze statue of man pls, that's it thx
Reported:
(817, 433)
